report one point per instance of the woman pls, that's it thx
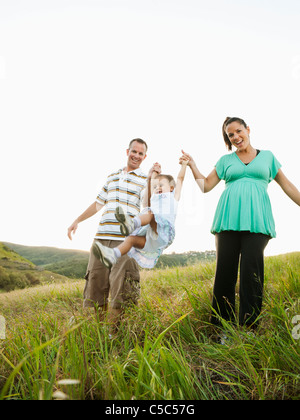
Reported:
(243, 222)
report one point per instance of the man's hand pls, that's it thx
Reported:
(72, 229)
(156, 168)
(89, 212)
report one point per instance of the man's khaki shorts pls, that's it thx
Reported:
(122, 281)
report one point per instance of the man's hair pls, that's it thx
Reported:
(139, 141)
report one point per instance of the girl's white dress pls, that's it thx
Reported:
(164, 207)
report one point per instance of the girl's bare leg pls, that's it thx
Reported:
(132, 241)
(148, 219)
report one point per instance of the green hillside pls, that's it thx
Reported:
(67, 262)
(8, 257)
(17, 272)
(44, 255)
(73, 263)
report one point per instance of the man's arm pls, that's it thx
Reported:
(89, 212)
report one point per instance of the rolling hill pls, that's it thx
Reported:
(73, 263)
(67, 262)
(17, 272)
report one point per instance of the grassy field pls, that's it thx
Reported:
(165, 349)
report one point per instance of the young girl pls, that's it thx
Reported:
(153, 230)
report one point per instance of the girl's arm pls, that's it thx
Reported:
(154, 171)
(150, 178)
(180, 179)
(291, 191)
(206, 184)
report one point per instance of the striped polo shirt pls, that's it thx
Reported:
(121, 189)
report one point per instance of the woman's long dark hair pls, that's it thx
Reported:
(228, 121)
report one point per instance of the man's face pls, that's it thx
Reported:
(136, 154)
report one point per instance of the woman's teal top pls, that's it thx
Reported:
(245, 204)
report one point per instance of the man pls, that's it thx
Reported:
(124, 187)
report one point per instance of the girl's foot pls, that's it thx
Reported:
(126, 222)
(104, 254)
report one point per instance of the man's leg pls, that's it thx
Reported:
(124, 285)
(96, 289)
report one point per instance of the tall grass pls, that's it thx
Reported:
(165, 348)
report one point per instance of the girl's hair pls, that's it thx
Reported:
(228, 121)
(169, 178)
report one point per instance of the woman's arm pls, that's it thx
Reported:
(206, 184)
(291, 191)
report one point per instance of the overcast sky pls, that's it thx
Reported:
(80, 79)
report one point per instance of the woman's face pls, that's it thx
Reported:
(238, 135)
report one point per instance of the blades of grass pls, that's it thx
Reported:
(18, 368)
(161, 335)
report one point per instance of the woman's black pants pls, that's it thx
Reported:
(246, 249)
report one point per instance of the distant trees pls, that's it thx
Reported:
(186, 258)
(18, 272)
(12, 280)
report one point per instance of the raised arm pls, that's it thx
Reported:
(154, 171)
(180, 179)
(291, 191)
(206, 184)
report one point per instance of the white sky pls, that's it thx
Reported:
(80, 79)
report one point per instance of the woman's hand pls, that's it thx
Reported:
(206, 184)
(186, 158)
